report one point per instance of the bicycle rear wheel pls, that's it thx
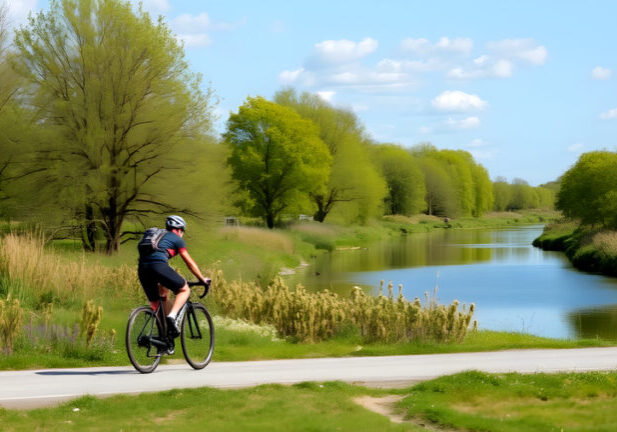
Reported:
(197, 336)
(141, 330)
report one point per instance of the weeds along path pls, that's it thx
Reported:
(36, 388)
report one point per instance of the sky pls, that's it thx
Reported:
(525, 86)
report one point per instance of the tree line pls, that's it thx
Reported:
(104, 127)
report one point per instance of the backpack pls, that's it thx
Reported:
(149, 243)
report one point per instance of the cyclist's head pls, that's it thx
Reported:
(175, 222)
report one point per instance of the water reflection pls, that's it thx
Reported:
(515, 286)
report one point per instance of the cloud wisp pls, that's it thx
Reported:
(601, 73)
(458, 101)
(195, 30)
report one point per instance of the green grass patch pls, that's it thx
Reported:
(302, 407)
(465, 401)
(515, 402)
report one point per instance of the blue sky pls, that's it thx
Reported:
(526, 87)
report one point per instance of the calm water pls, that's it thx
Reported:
(515, 286)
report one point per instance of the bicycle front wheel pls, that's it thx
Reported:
(197, 336)
(142, 329)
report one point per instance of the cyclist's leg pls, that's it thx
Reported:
(148, 280)
(164, 295)
(182, 295)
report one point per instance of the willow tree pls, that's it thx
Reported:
(117, 91)
(405, 180)
(276, 157)
(354, 183)
(15, 129)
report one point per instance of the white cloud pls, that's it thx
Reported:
(195, 30)
(290, 77)
(192, 23)
(601, 73)
(465, 123)
(424, 47)
(389, 65)
(457, 100)
(609, 115)
(523, 49)
(502, 69)
(197, 40)
(157, 6)
(326, 95)
(576, 148)
(344, 51)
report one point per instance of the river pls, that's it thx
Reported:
(514, 286)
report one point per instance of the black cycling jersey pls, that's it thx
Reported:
(170, 245)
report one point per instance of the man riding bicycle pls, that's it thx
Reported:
(157, 277)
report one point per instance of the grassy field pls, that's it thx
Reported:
(465, 401)
(515, 402)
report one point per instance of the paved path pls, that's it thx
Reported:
(35, 388)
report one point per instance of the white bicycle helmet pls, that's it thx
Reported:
(175, 222)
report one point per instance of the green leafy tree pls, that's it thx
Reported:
(354, 182)
(483, 190)
(523, 195)
(589, 188)
(16, 129)
(277, 157)
(502, 193)
(405, 180)
(115, 90)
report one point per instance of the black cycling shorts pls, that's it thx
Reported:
(152, 274)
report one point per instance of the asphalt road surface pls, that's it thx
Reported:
(37, 388)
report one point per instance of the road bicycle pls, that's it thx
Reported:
(147, 340)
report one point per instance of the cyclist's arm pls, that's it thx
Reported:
(190, 263)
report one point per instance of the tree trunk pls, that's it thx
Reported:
(88, 239)
(270, 220)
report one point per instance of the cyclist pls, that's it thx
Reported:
(157, 277)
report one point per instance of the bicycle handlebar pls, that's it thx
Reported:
(200, 283)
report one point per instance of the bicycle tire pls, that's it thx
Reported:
(197, 336)
(143, 325)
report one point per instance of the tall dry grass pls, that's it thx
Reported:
(313, 317)
(606, 243)
(29, 271)
(264, 238)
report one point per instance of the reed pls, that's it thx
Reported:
(11, 316)
(38, 275)
(314, 317)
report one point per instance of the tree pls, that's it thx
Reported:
(116, 91)
(483, 190)
(276, 156)
(503, 194)
(353, 181)
(589, 188)
(405, 180)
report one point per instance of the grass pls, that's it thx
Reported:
(301, 407)
(465, 401)
(516, 402)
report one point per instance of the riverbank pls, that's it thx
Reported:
(66, 278)
(588, 249)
